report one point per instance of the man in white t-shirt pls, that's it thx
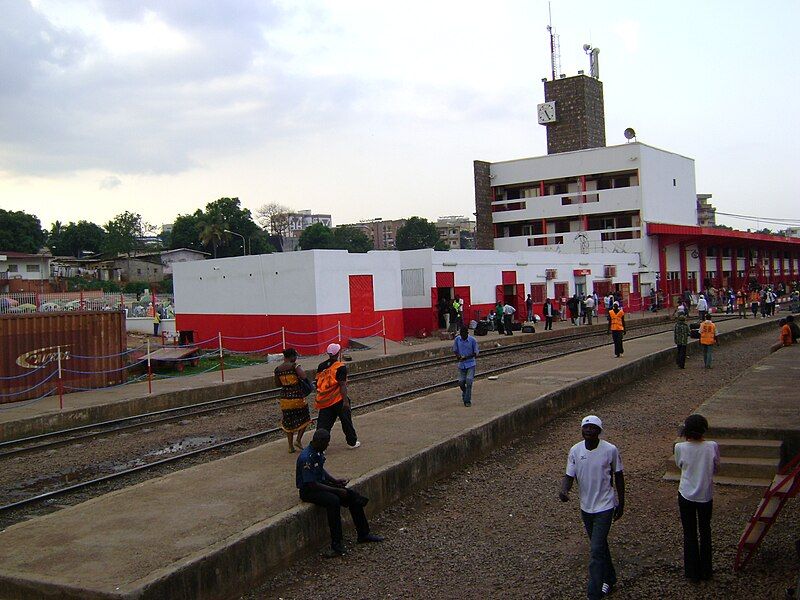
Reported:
(597, 467)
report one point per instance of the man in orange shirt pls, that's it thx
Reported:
(708, 339)
(786, 336)
(332, 400)
(616, 326)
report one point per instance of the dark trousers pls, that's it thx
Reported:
(617, 337)
(680, 358)
(327, 417)
(601, 569)
(332, 504)
(507, 324)
(702, 315)
(548, 323)
(696, 516)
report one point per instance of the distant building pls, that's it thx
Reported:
(706, 214)
(791, 232)
(169, 257)
(382, 233)
(299, 221)
(22, 272)
(457, 232)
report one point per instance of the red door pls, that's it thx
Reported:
(362, 305)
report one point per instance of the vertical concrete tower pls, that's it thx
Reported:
(579, 120)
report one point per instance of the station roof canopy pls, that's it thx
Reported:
(718, 236)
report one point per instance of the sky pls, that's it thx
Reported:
(365, 109)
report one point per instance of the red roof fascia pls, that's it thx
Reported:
(713, 232)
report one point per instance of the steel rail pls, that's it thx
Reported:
(19, 446)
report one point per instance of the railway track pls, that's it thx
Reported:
(239, 443)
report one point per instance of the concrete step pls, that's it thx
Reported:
(752, 448)
(739, 467)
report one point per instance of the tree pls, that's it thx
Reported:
(186, 231)
(81, 237)
(212, 235)
(419, 233)
(316, 236)
(274, 218)
(125, 233)
(351, 239)
(21, 232)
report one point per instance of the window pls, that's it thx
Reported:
(13, 268)
(31, 268)
(712, 251)
(740, 253)
(620, 182)
(726, 253)
(538, 291)
(412, 282)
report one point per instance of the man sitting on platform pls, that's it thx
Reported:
(318, 487)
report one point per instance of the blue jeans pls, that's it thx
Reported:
(601, 569)
(465, 379)
(707, 349)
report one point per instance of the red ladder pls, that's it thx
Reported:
(785, 485)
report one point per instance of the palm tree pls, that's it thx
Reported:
(212, 234)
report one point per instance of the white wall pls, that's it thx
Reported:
(566, 164)
(663, 202)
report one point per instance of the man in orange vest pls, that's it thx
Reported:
(332, 400)
(708, 338)
(616, 325)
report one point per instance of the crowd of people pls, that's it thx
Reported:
(594, 463)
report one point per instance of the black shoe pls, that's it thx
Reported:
(467, 403)
(360, 500)
(607, 589)
(334, 551)
(370, 538)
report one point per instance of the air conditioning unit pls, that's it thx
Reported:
(610, 271)
(550, 273)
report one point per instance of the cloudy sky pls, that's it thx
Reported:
(374, 108)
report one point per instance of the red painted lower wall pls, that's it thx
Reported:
(308, 334)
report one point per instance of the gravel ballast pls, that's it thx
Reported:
(497, 529)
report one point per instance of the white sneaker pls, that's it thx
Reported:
(356, 445)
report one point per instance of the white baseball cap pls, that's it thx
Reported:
(592, 420)
(333, 349)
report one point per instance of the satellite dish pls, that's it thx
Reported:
(587, 47)
(629, 133)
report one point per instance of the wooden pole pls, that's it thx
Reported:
(221, 358)
(283, 337)
(149, 370)
(60, 383)
(383, 329)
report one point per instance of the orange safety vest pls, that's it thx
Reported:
(329, 392)
(616, 319)
(708, 333)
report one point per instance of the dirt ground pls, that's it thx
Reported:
(497, 529)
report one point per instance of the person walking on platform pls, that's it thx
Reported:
(332, 400)
(597, 467)
(498, 317)
(156, 321)
(708, 339)
(508, 316)
(754, 303)
(741, 304)
(319, 487)
(616, 326)
(572, 306)
(702, 307)
(698, 460)
(549, 313)
(589, 310)
(681, 341)
(466, 349)
(529, 308)
(295, 417)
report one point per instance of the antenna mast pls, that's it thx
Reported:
(555, 45)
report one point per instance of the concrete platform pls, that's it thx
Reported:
(764, 403)
(217, 529)
(100, 405)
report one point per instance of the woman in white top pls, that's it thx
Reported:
(698, 460)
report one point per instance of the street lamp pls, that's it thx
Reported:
(244, 247)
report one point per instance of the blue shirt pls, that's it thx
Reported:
(310, 467)
(466, 347)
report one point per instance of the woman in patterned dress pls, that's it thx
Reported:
(294, 408)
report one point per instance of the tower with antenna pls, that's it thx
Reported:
(555, 45)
